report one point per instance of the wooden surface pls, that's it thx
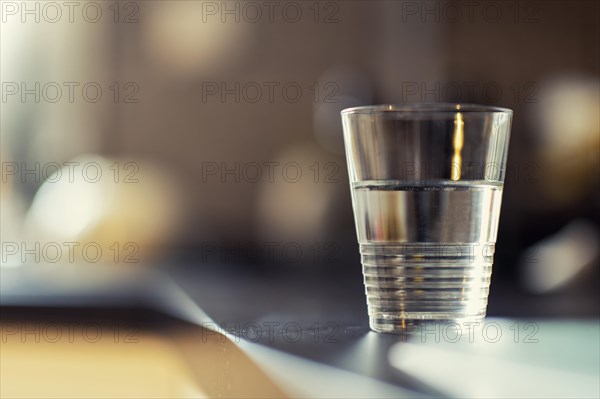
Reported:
(76, 359)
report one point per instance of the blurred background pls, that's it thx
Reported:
(196, 134)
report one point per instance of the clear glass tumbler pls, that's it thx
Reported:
(426, 183)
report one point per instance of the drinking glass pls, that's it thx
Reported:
(426, 183)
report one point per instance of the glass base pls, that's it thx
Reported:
(413, 285)
(425, 324)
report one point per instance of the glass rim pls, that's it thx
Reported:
(427, 108)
